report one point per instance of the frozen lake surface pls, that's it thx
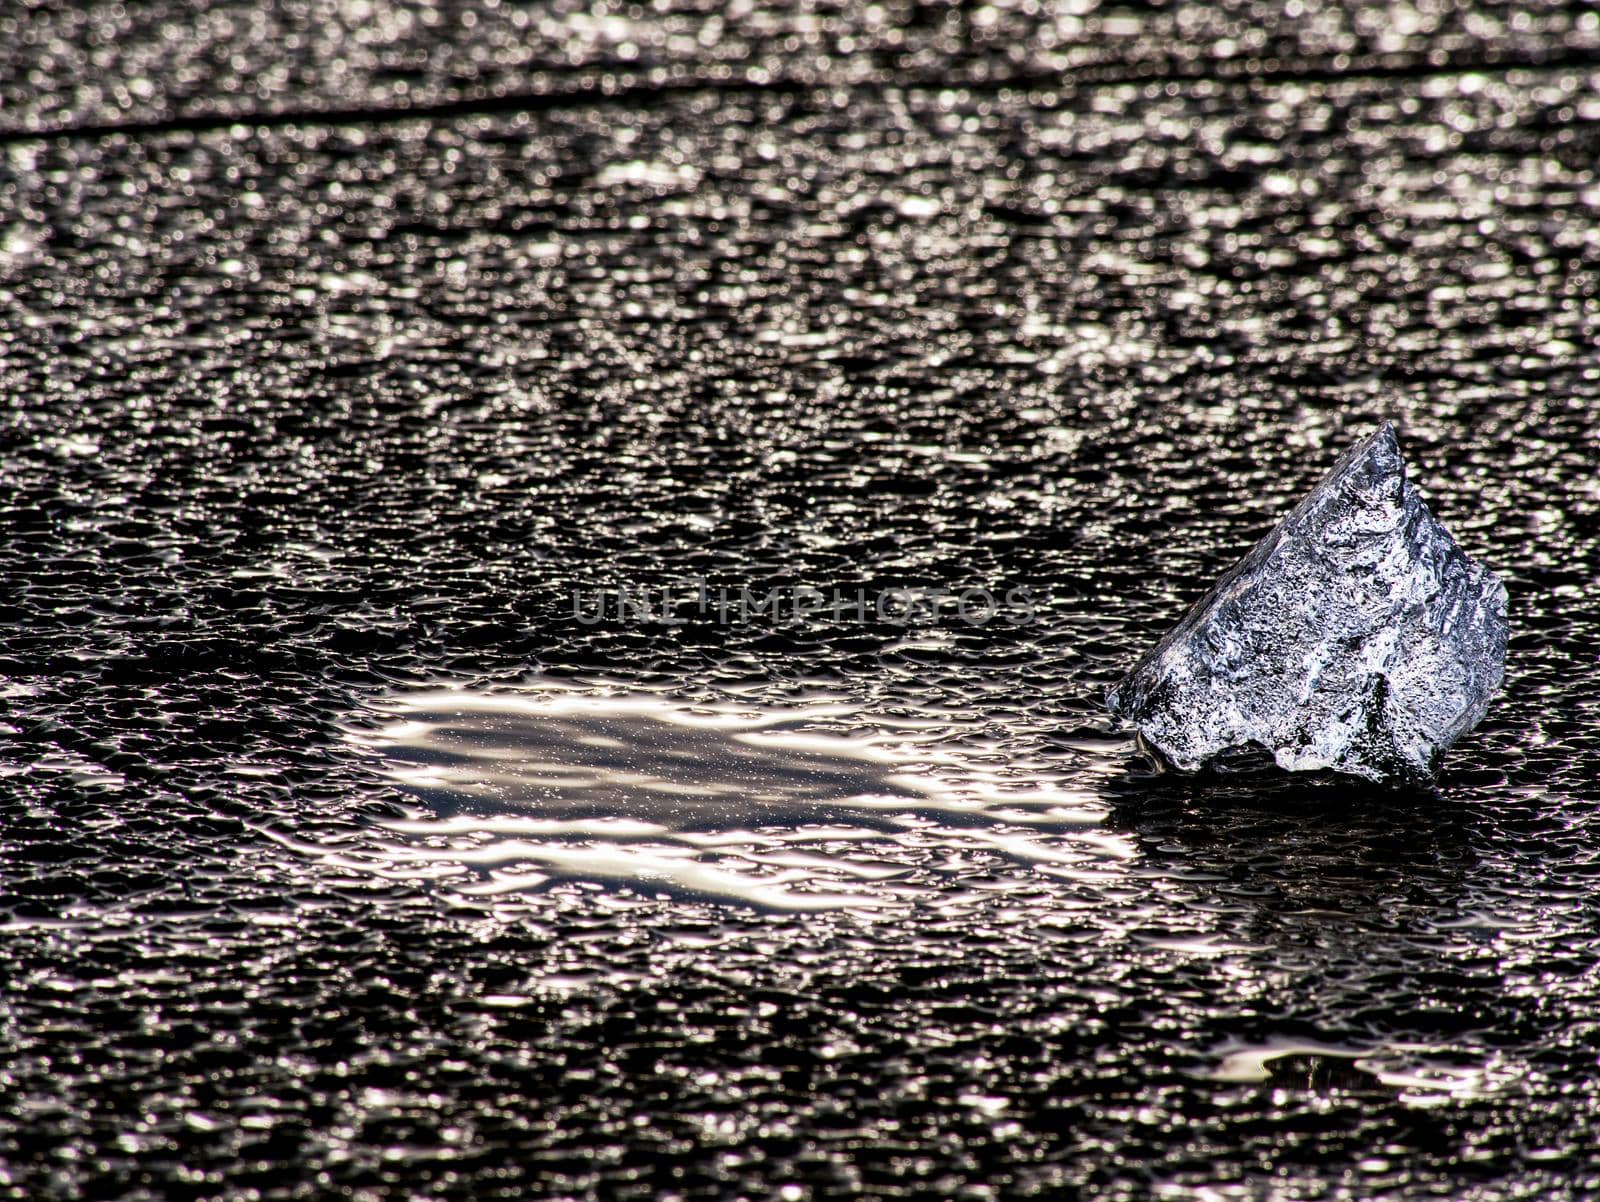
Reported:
(341, 845)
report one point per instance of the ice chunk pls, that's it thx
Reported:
(1356, 636)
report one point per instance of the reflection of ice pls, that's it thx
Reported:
(1412, 1072)
(521, 789)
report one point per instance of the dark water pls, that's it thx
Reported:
(341, 851)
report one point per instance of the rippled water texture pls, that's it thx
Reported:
(520, 790)
(343, 852)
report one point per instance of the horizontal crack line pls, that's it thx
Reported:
(587, 94)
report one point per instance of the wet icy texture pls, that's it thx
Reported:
(306, 421)
(517, 790)
(107, 63)
(1356, 636)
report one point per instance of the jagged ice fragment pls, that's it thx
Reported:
(1356, 636)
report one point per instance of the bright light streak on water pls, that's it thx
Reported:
(514, 790)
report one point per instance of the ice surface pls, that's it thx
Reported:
(1356, 636)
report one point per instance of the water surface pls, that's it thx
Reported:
(333, 840)
(519, 788)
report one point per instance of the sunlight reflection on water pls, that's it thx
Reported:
(515, 790)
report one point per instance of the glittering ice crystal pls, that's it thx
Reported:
(1356, 636)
